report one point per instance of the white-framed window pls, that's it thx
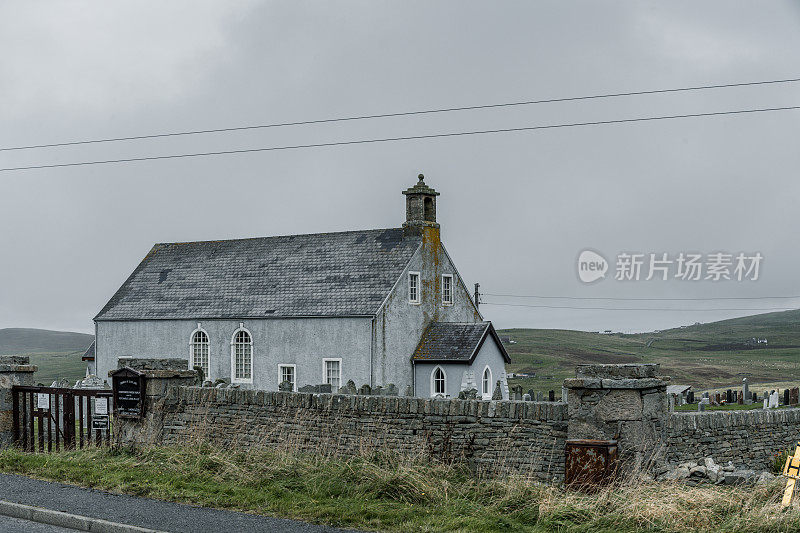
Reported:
(288, 373)
(332, 373)
(413, 288)
(200, 351)
(241, 356)
(486, 383)
(438, 382)
(447, 289)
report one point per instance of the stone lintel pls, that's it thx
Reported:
(618, 371)
(5, 368)
(594, 383)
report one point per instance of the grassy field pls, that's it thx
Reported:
(386, 493)
(56, 353)
(707, 356)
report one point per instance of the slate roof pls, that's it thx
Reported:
(88, 355)
(455, 342)
(322, 274)
(677, 389)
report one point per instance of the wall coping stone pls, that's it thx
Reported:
(617, 371)
(629, 383)
(18, 368)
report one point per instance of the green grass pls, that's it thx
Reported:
(389, 493)
(706, 356)
(57, 365)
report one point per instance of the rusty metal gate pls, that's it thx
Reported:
(54, 418)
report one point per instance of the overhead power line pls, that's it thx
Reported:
(397, 114)
(404, 138)
(683, 310)
(642, 299)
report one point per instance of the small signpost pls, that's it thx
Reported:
(128, 388)
(792, 471)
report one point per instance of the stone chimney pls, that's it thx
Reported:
(420, 209)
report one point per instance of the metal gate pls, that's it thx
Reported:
(53, 418)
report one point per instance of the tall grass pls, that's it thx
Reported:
(388, 492)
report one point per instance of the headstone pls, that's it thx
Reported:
(498, 391)
(349, 388)
(773, 400)
(690, 397)
(746, 390)
(469, 394)
(516, 392)
(365, 390)
(531, 393)
(390, 390)
(740, 398)
(703, 403)
(285, 386)
(409, 391)
(729, 396)
(785, 396)
(794, 397)
(766, 395)
(766, 403)
(551, 396)
(526, 397)
(539, 396)
(564, 394)
(719, 398)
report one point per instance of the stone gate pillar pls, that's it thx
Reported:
(626, 403)
(159, 376)
(14, 370)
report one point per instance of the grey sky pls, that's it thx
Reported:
(515, 209)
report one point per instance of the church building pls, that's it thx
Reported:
(378, 307)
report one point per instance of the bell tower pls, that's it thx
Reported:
(420, 207)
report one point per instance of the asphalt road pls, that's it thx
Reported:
(142, 512)
(17, 525)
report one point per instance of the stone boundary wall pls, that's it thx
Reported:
(493, 437)
(748, 438)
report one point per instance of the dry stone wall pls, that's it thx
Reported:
(749, 439)
(494, 438)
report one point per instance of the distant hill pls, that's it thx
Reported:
(56, 353)
(706, 355)
(27, 341)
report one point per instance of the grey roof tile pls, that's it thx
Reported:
(321, 274)
(455, 341)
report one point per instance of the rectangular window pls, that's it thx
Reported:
(413, 287)
(447, 289)
(287, 373)
(332, 373)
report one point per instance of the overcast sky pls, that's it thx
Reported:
(516, 209)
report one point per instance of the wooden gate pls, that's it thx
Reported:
(53, 418)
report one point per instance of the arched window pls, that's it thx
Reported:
(438, 382)
(487, 383)
(242, 356)
(199, 351)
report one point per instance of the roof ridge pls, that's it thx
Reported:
(240, 239)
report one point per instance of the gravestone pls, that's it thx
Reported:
(766, 395)
(285, 386)
(703, 403)
(365, 390)
(718, 397)
(729, 396)
(773, 400)
(349, 388)
(498, 391)
(746, 390)
(390, 390)
(468, 394)
(526, 397)
(531, 394)
(690, 397)
(551, 396)
(539, 396)
(794, 397)
(785, 396)
(740, 398)
(766, 403)
(516, 392)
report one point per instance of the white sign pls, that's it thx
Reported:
(101, 406)
(42, 401)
